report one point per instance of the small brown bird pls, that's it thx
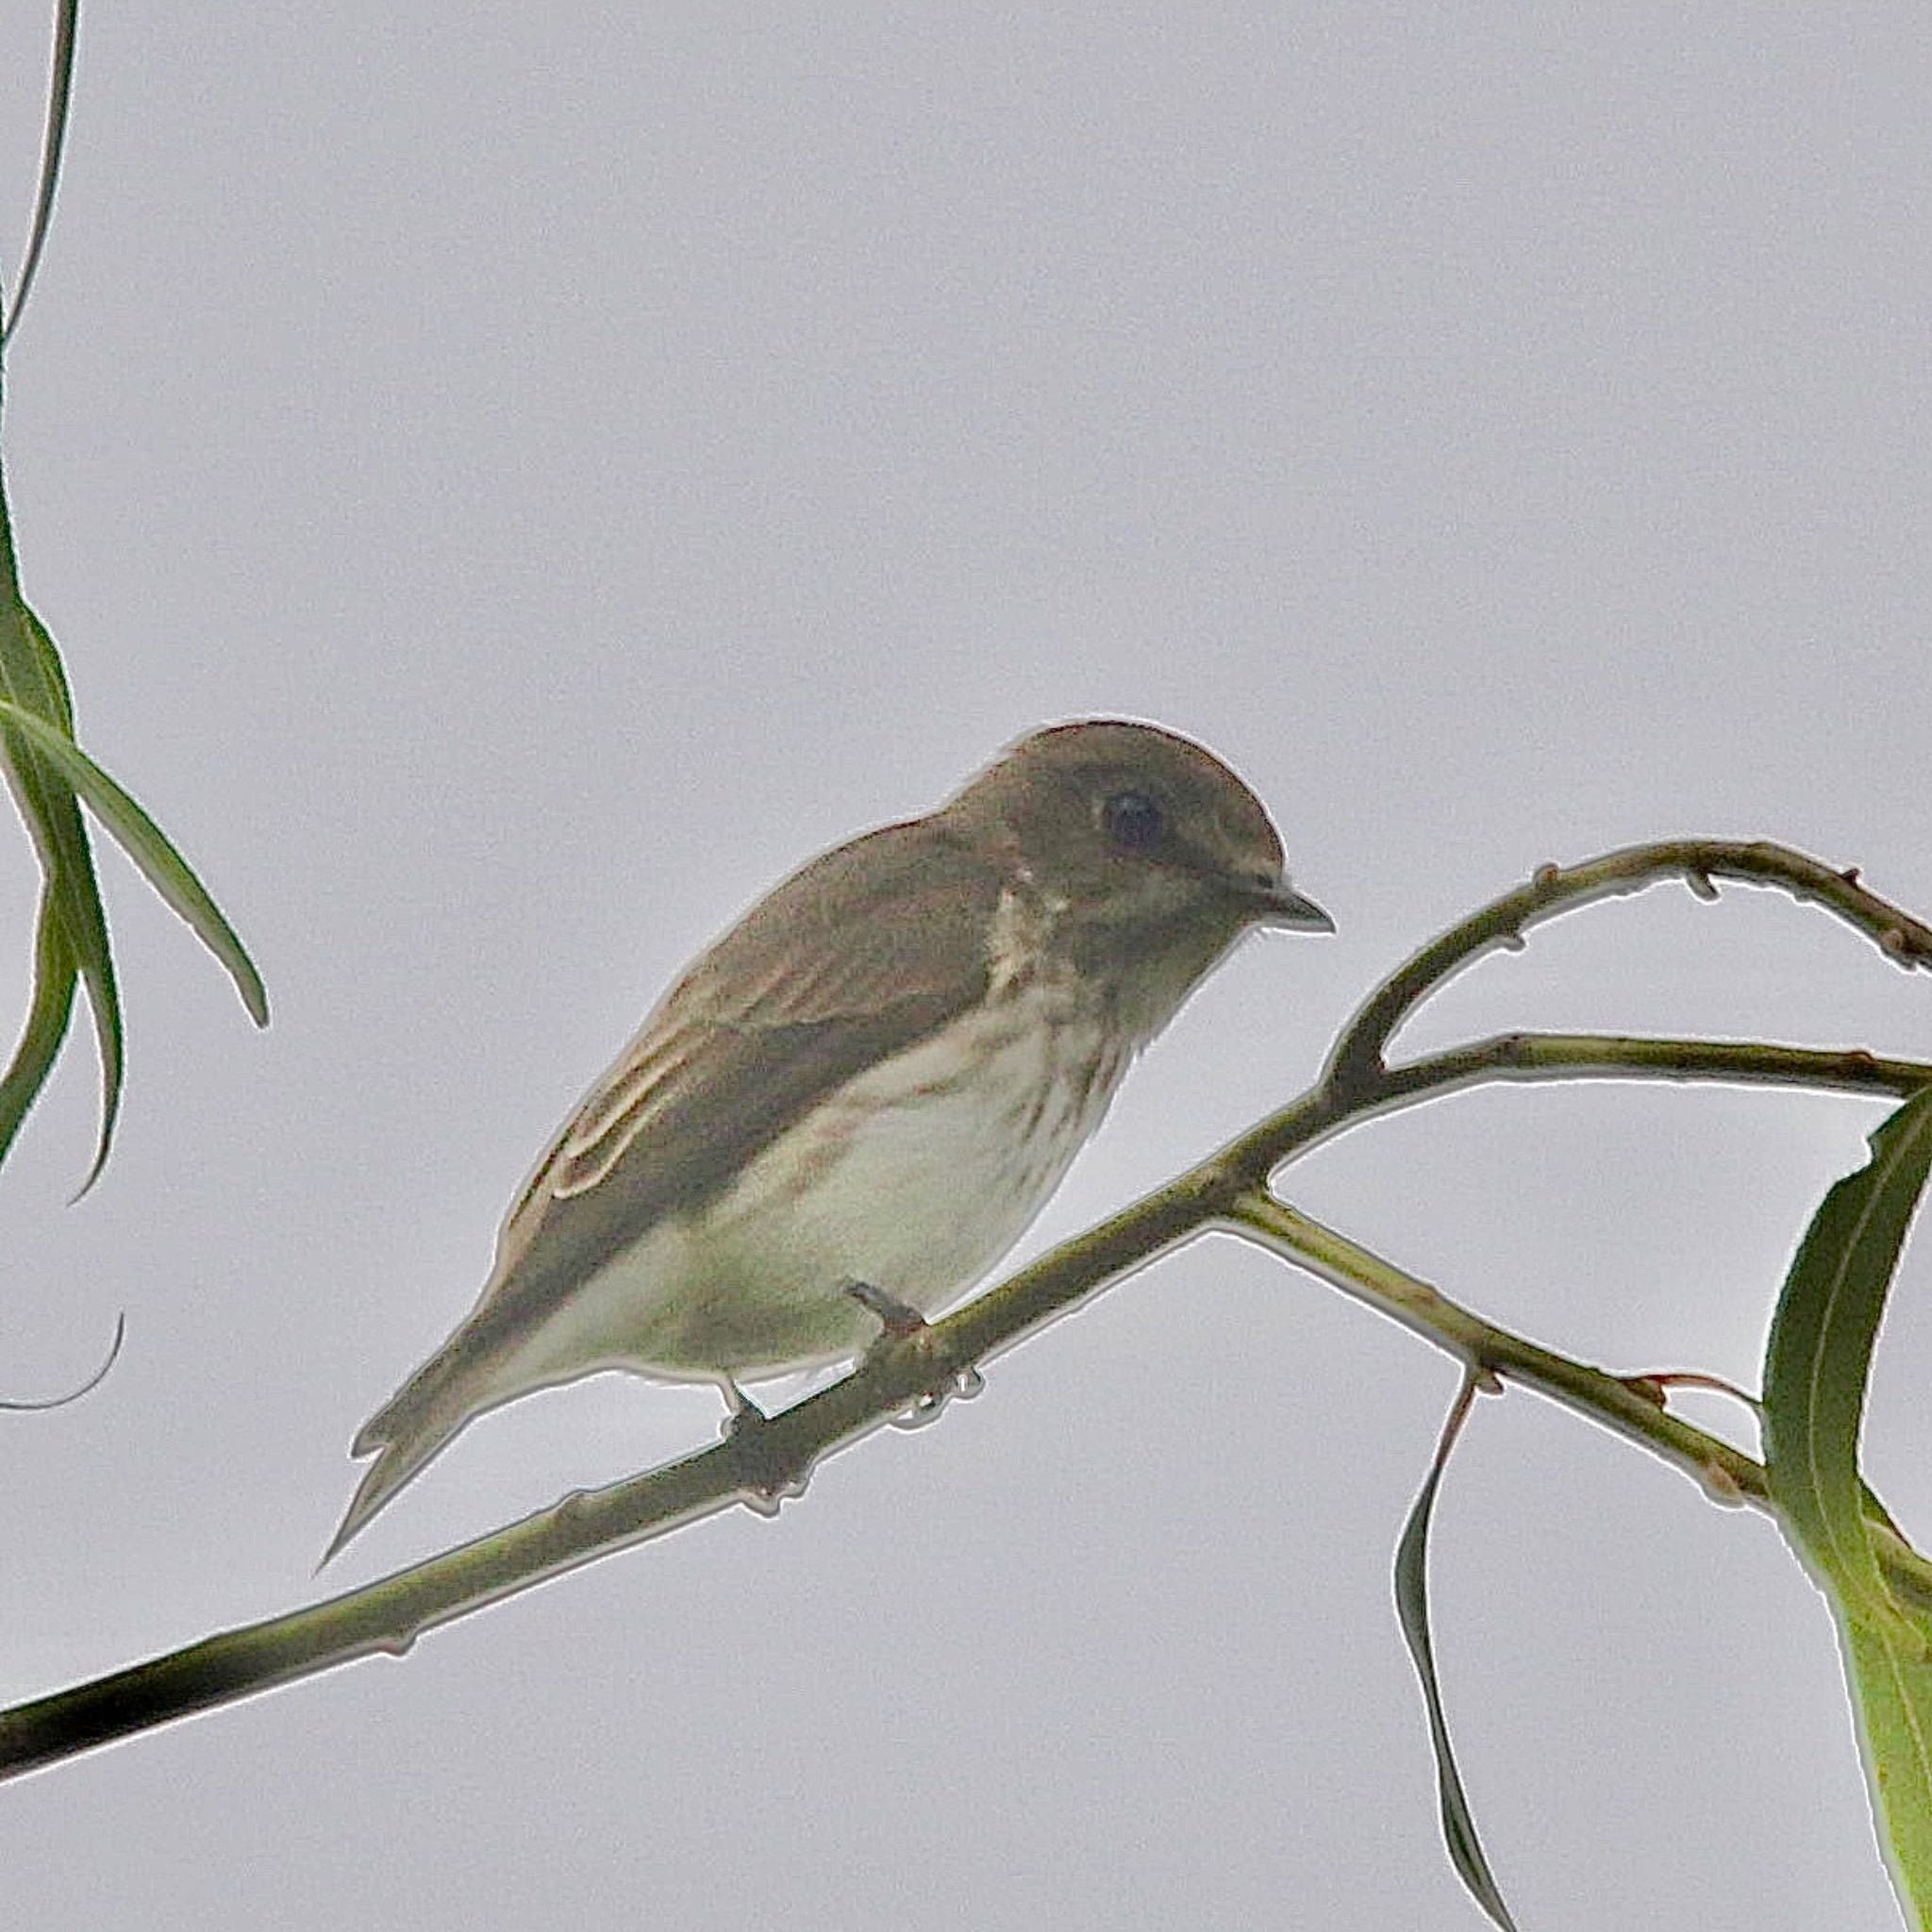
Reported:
(859, 1098)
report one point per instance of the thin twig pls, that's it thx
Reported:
(1224, 1190)
(1528, 1058)
(1617, 1403)
(1358, 1057)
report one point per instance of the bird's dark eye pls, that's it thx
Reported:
(1132, 820)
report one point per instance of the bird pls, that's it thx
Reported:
(856, 1100)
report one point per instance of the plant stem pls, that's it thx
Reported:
(1225, 1191)
(1357, 1057)
(1616, 1403)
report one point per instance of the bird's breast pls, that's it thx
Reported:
(918, 1172)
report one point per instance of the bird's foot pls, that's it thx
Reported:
(900, 1321)
(768, 1478)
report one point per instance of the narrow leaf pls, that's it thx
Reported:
(67, 857)
(57, 698)
(46, 1024)
(1819, 1362)
(1412, 1608)
(42, 1405)
(30, 673)
(31, 669)
(68, 863)
(53, 141)
(149, 847)
(1891, 1687)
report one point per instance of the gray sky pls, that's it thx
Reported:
(511, 483)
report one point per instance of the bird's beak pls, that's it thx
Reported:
(1279, 904)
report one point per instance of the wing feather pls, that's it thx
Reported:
(851, 960)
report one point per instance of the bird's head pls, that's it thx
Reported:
(1157, 856)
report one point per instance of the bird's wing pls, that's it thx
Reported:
(852, 961)
(854, 958)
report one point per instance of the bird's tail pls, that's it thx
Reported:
(413, 1427)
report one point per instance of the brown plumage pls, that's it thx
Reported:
(948, 999)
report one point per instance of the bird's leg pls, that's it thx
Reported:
(768, 1481)
(898, 1321)
(901, 1322)
(746, 1415)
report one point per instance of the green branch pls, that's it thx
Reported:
(1627, 1406)
(1224, 1191)
(1357, 1057)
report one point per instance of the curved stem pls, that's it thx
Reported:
(1358, 1057)
(1324, 1111)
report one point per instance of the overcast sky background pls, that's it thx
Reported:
(510, 484)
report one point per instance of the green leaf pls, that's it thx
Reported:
(1891, 1687)
(149, 847)
(46, 1024)
(1412, 1608)
(53, 673)
(30, 675)
(53, 138)
(1819, 1362)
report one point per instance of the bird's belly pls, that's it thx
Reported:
(915, 1176)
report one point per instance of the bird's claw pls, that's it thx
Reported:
(900, 1321)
